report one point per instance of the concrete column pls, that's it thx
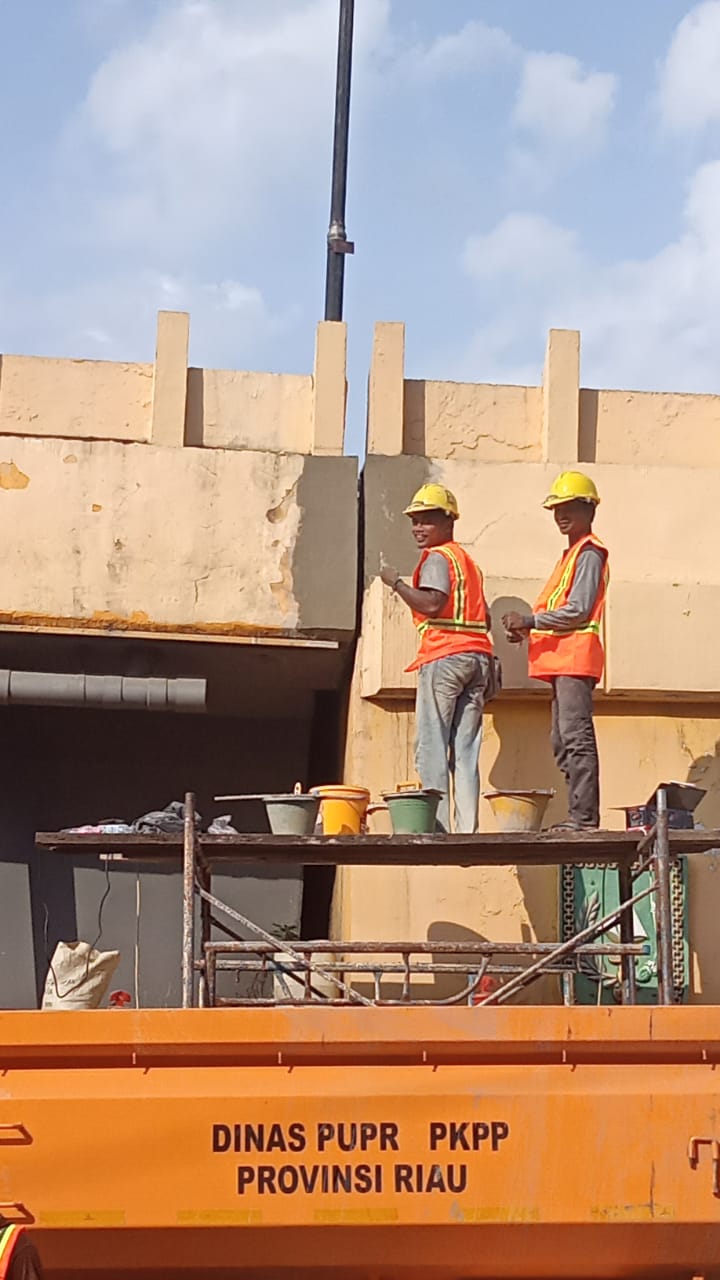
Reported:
(386, 390)
(170, 382)
(561, 396)
(330, 388)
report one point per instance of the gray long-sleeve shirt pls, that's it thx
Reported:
(583, 594)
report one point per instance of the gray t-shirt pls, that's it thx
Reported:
(435, 573)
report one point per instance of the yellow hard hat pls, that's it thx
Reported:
(433, 497)
(571, 486)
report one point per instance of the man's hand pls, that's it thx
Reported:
(389, 575)
(517, 626)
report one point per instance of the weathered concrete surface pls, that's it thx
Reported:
(557, 421)
(387, 487)
(232, 409)
(659, 524)
(170, 405)
(473, 420)
(143, 538)
(644, 428)
(324, 564)
(640, 744)
(98, 399)
(656, 461)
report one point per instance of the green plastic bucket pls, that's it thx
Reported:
(292, 815)
(413, 813)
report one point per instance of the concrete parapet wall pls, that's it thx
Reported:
(557, 422)
(656, 461)
(93, 398)
(135, 537)
(659, 524)
(167, 404)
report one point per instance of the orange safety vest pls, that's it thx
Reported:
(463, 626)
(9, 1237)
(569, 653)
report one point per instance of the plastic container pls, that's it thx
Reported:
(292, 815)
(413, 813)
(519, 810)
(342, 808)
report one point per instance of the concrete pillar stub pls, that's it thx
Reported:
(386, 390)
(561, 396)
(329, 388)
(170, 379)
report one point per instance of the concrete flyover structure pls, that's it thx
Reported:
(162, 523)
(187, 501)
(656, 461)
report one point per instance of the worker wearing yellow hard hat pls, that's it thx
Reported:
(457, 672)
(572, 486)
(565, 643)
(433, 497)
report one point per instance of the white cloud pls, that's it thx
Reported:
(216, 104)
(560, 102)
(646, 323)
(690, 74)
(523, 246)
(475, 46)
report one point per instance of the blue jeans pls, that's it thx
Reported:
(449, 711)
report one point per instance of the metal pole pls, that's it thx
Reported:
(188, 901)
(337, 242)
(627, 932)
(664, 906)
(205, 877)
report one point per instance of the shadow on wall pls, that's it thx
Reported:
(447, 985)
(512, 656)
(438, 986)
(195, 407)
(588, 434)
(414, 418)
(704, 885)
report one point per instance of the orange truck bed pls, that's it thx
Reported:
(422, 1144)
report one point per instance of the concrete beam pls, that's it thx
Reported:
(170, 380)
(329, 388)
(561, 397)
(386, 390)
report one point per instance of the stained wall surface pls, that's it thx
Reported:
(656, 461)
(156, 498)
(164, 521)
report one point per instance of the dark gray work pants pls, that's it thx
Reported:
(575, 747)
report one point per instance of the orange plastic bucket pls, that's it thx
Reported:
(342, 808)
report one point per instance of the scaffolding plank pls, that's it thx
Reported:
(485, 849)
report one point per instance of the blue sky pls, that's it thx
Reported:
(515, 165)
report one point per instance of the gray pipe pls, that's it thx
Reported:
(130, 693)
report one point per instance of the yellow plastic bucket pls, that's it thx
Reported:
(519, 810)
(342, 809)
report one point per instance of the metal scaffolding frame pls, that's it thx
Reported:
(239, 956)
(353, 966)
